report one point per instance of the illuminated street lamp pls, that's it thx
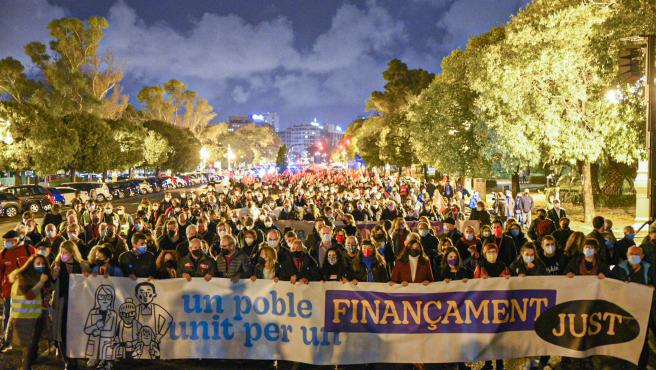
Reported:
(230, 155)
(5, 135)
(204, 156)
(614, 96)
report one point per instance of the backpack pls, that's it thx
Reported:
(544, 227)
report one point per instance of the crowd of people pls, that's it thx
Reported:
(231, 230)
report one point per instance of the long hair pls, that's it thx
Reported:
(27, 276)
(574, 244)
(403, 256)
(444, 264)
(70, 247)
(273, 256)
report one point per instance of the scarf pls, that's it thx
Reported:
(368, 263)
(585, 271)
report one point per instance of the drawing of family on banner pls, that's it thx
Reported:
(334, 323)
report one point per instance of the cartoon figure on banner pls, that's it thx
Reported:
(146, 347)
(127, 333)
(101, 325)
(155, 321)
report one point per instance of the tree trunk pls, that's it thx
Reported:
(72, 174)
(17, 178)
(515, 184)
(588, 196)
(36, 179)
(594, 169)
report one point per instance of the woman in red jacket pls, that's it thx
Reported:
(412, 266)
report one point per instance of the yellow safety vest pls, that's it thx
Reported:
(23, 308)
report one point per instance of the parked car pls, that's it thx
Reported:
(34, 197)
(10, 205)
(143, 186)
(117, 190)
(59, 198)
(100, 190)
(69, 194)
(129, 188)
(155, 183)
(180, 182)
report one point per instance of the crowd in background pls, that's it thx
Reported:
(231, 230)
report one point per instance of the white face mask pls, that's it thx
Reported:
(528, 259)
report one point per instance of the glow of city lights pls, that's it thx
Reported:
(204, 154)
(257, 117)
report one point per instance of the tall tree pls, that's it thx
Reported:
(97, 147)
(281, 159)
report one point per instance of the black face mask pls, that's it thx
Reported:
(110, 234)
(260, 261)
(171, 233)
(170, 264)
(413, 252)
(100, 262)
(197, 253)
(298, 254)
(225, 251)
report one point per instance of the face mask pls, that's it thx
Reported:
(120, 213)
(268, 223)
(549, 249)
(332, 260)
(588, 252)
(498, 233)
(95, 220)
(414, 252)
(222, 233)
(260, 260)
(452, 262)
(340, 239)
(9, 244)
(634, 259)
(630, 237)
(326, 238)
(50, 234)
(528, 259)
(381, 250)
(141, 249)
(491, 257)
(352, 248)
(72, 236)
(137, 227)
(171, 233)
(197, 253)
(514, 232)
(108, 211)
(170, 264)
(297, 254)
(469, 237)
(110, 233)
(225, 251)
(486, 234)
(40, 269)
(65, 258)
(423, 232)
(42, 252)
(367, 252)
(272, 243)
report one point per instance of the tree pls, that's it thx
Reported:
(130, 137)
(543, 90)
(155, 149)
(281, 159)
(32, 139)
(97, 147)
(174, 103)
(14, 84)
(184, 149)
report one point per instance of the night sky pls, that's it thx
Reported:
(302, 59)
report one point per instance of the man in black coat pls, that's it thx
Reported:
(300, 267)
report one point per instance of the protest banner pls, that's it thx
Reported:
(334, 323)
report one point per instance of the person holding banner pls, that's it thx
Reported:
(335, 267)
(634, 269)
(412, 266)
(196, 263)
(267, 266)
(491, 265)
(300, 267)
(68, 261)
(528, 262)
(232, 263)
(588, 263)
(369, 265)
(451, 267)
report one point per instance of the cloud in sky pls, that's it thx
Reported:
(243, 66)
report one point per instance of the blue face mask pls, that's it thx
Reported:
(634, 259)
(40, 269)
(141, 249)
(630, 237)
(9, 244)
(381, 250)
(514, 232)
(137, 227)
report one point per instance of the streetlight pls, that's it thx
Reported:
(204, 156)
(231, 156)
(614, 96)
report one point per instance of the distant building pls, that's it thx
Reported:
(236, 122)
(273, 119)
(299, 138)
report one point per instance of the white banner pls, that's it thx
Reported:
(334, 323)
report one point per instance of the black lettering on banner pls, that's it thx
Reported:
(585, 324)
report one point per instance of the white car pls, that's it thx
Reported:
(69, 193)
